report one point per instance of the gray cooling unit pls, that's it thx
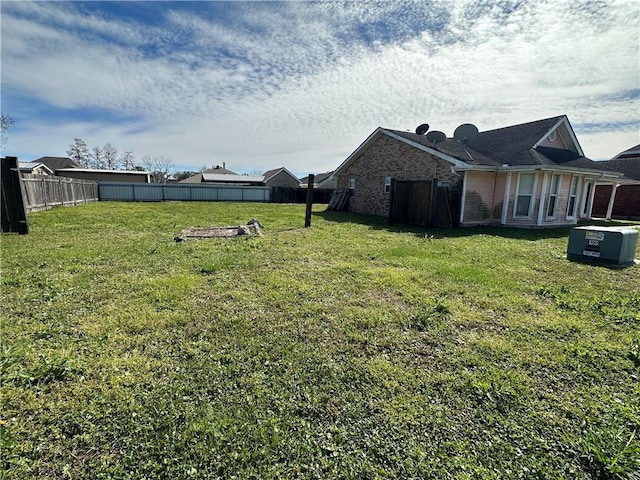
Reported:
(614, 246)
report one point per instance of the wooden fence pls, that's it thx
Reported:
(422, 203)
(41, 192)
(13, 211)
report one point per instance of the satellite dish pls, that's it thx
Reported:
(422, 129)
(465, 133)
(435, 136)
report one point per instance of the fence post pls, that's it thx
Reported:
(307, 217)
(14, 213)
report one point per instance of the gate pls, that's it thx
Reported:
(421, 203)
(14, 214)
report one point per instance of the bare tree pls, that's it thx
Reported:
(127, 161)
(158, 166)
(79, 152)
(97, 158)
(6, 123)
(110, 154)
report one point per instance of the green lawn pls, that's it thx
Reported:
(346, 350)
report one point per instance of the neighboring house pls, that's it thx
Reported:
(217, 170)
(626, 204)
(130, 176)
(321, 180)
(280, 177)
(533, 174)
(232, 179)
(34, 168)
(55, 163)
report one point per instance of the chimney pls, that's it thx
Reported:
(224, 165)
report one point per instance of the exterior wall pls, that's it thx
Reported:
(561, 208)
(483, 197)
(283, 179)
(556, 143)
(626, 204)
(388, 157)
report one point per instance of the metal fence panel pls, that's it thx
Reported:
(172, 192)
(148, 192)
(204, 193)
(156, 192)
(116, 191)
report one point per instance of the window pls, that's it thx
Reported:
(387, 184)
(553, 196)
(352, 186)
(573, 193)
(524, 195)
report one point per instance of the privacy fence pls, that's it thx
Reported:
(41, 192)
(159, 192)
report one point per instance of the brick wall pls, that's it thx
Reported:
(283, 179)
(388, 157)
(626, 205)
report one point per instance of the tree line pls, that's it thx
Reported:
(107, 158)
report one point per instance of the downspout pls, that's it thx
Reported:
(505, 201)
(612, 199)
(543, 192)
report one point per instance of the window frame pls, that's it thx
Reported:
(387, 184)
(532, 196)
(351, 185)
(553, 195)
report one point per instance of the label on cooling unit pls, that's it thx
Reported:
(591, 235)
(590, 253)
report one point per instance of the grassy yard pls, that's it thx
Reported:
(347, 350)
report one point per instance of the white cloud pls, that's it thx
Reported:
(283, 85)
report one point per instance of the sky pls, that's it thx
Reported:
(300, 85)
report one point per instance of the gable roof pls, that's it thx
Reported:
(518, 146)
(627, 162)
(56, 163)
(198, 177)
(29, 167)
(272, 173)
(232, 179)
(220, 170)
(318, 178)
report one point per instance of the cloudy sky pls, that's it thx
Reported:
(260, 85)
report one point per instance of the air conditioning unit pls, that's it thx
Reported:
(614, 246)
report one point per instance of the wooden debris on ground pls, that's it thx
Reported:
(339, 200)
(253, 227)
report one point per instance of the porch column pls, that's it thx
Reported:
(464, 195)
(612, 199)
(592, 196)
(505, 200)
(543, 193)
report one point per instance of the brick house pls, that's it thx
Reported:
(280, 177)
(627, 195)
(529, 175)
